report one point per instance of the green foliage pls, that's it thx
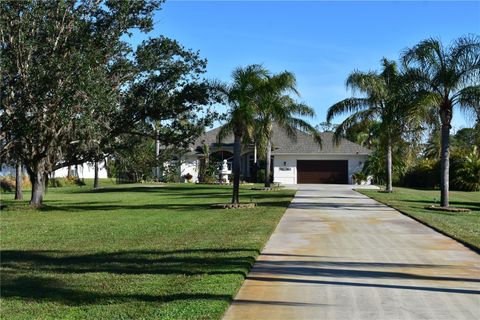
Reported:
(466, 171)
(261, 175)
(359, 177)
(425, 174)
(241, 118)
(375, 166)
(210, 174)
(448, 76)
(111, 168)
(73, 85)
(135, 158)
(171, 172)
(65, 182)
(383, 117)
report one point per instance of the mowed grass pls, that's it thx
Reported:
(462, 226)
(131, 251)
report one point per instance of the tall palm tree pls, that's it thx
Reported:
(242, 98)
(451, 75)
(276, 106)
(383, 101)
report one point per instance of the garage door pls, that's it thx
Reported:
(322, 171)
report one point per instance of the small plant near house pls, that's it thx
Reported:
(360, 177)
(188, 177)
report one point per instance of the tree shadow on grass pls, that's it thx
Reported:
(157, 188)
(45, 289)
(184, 207)
(38, 275)
(185, 262)
(470, 204)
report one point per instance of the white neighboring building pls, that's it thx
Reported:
(294, 161)
(85, 171)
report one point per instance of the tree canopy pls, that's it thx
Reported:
(72, 84)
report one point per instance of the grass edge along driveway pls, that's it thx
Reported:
(461, 226)
(131, 251)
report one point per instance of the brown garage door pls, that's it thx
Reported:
(322, 171)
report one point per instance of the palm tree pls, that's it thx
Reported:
(451, 75)
(241, 96)
(383, 101)
(276, 106)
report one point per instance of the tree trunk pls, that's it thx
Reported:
(445, 165)
(38, 187)
(237, 150)
(255, 164)
(268, 160)
(96, 183)
(389, 166)
(18, 182)
(157, 155)
(69, 168)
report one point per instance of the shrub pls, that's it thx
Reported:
(56, 182)
(261, 175)
(65, 182)
(465, 171)
(7, 184)
(208, 174)
(171, 172)
(425, 174)
(359, 177)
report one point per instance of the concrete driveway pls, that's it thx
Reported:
(337, 254)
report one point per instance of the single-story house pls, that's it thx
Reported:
(295, 161)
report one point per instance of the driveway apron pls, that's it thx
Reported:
(337, 254)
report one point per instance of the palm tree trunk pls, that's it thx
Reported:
(445, 164)
(268, 159)
(389, 166)
(96, 183)
(18, 182)
(255, 164)
(237, 150)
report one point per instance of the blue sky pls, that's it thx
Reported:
(320, 41)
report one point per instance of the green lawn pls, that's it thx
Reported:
(462, 226)
(131, 251)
